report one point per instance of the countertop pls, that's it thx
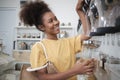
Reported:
(111, 71)
(101, 74)
(114, 68)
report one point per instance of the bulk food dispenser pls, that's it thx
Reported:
(108, 19)
(104, 18)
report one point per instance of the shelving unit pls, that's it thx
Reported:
(25, 37)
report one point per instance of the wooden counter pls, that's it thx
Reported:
(111, 72)
(101, 74)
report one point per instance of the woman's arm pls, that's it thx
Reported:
(84, 37)
(84, 19)
(79, 68)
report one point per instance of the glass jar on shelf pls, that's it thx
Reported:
(33, 35)
(24, 35)
(28, 35)
(117, 38)
(22, 45)
(38, 35)
(1, 45)
(63, 34)
(18, 35)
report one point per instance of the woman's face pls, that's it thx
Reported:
(50, 24)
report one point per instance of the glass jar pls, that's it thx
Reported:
(1, 45)
(87, 53)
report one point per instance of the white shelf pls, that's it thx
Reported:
(61, 27)
(66, 27)
(23, 27)
(29, 39)
(19, 62)
(22, 50)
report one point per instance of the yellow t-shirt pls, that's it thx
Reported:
(61, 52)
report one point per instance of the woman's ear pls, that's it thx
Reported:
(41, 27)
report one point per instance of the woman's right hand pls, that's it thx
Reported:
(84, 66)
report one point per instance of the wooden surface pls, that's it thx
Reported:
(21, 56)
(101, 74)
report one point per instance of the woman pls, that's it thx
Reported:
(60, 51)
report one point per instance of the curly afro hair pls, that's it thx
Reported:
(31, 13)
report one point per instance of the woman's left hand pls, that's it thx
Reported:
(79, 5)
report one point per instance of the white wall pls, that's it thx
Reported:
(63, 9)
(8, 3)
(8, 20)
(7, 24)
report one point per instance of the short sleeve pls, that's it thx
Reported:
(76, 43)
(37, 57)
